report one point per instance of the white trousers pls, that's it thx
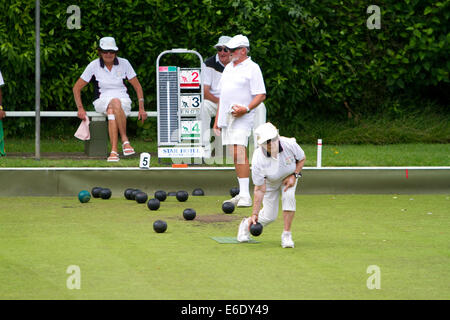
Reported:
(269, 211)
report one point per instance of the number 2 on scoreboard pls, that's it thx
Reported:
(195, 76)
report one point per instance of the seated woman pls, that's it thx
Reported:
(108, 74)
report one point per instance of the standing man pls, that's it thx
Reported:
(276, 166)
(242, 90)
(213, 69)
(2, 115)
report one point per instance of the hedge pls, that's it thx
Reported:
(319, 58)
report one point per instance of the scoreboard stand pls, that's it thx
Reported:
(179, 103)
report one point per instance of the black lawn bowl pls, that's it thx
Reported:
(228, 207)
(161, 195)
(134, 193)
(198, 192)
(96, 192)
(141, 197)
(127, 193)
(234, 192)
(189, 214)
(105, 193)
(159, 226)
(256, 229)
(172, 194)
(182, 196)
(153, 204)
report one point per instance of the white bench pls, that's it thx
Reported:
(72, 114)
(98, 144)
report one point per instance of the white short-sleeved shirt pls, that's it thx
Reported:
(109, 83)
(239, 85)
(212, 74)
(1, 80)
(273, 171)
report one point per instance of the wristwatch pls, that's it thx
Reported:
(297, 175)
(248, 109)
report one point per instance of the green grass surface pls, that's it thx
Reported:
(120, 257)
(332, 155)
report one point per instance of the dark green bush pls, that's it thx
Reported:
(319, 59)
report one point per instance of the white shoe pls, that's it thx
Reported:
(234, 200)
(286, 240)
(243, 232)
(245, 202)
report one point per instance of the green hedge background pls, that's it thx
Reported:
(319, 59)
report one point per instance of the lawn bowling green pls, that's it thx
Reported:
(120, 256)
(338, 238)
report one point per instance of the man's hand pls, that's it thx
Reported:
(2, 114)
(253, 220)
(217, 130)
(289, 181)
(238, 111)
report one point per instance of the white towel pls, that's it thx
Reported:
(83, 130)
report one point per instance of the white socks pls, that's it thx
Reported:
(244, 188)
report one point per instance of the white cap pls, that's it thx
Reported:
(222, 41)
(108, 43)
(265, 132)
(238, 41)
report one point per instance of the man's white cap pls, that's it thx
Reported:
(108, 43)
(238, 41)
(222, 41)
(265, 132)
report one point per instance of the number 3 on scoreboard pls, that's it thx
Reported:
(195, 102)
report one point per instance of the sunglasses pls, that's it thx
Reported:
(268, 142)
(109, 51)
(220, 49)
(233, 50)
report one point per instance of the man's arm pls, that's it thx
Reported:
(289, 181)
(209, 96)
(239, 111)
(258, 196)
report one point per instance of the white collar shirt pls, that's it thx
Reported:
(109, 83)
(274, 170)
(239, 85)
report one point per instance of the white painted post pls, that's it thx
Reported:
(319, 153)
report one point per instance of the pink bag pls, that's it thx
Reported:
(83, 130)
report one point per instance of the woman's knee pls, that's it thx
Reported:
(266, 217)
(114, 104)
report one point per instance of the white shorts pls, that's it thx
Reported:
(101, 104)
(235, 136)
(269, 211)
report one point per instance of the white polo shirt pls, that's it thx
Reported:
(212, 74)
(239, 85)
(273, 171)
(1, 79)
(109, 84)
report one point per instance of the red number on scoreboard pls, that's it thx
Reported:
(195, 75)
